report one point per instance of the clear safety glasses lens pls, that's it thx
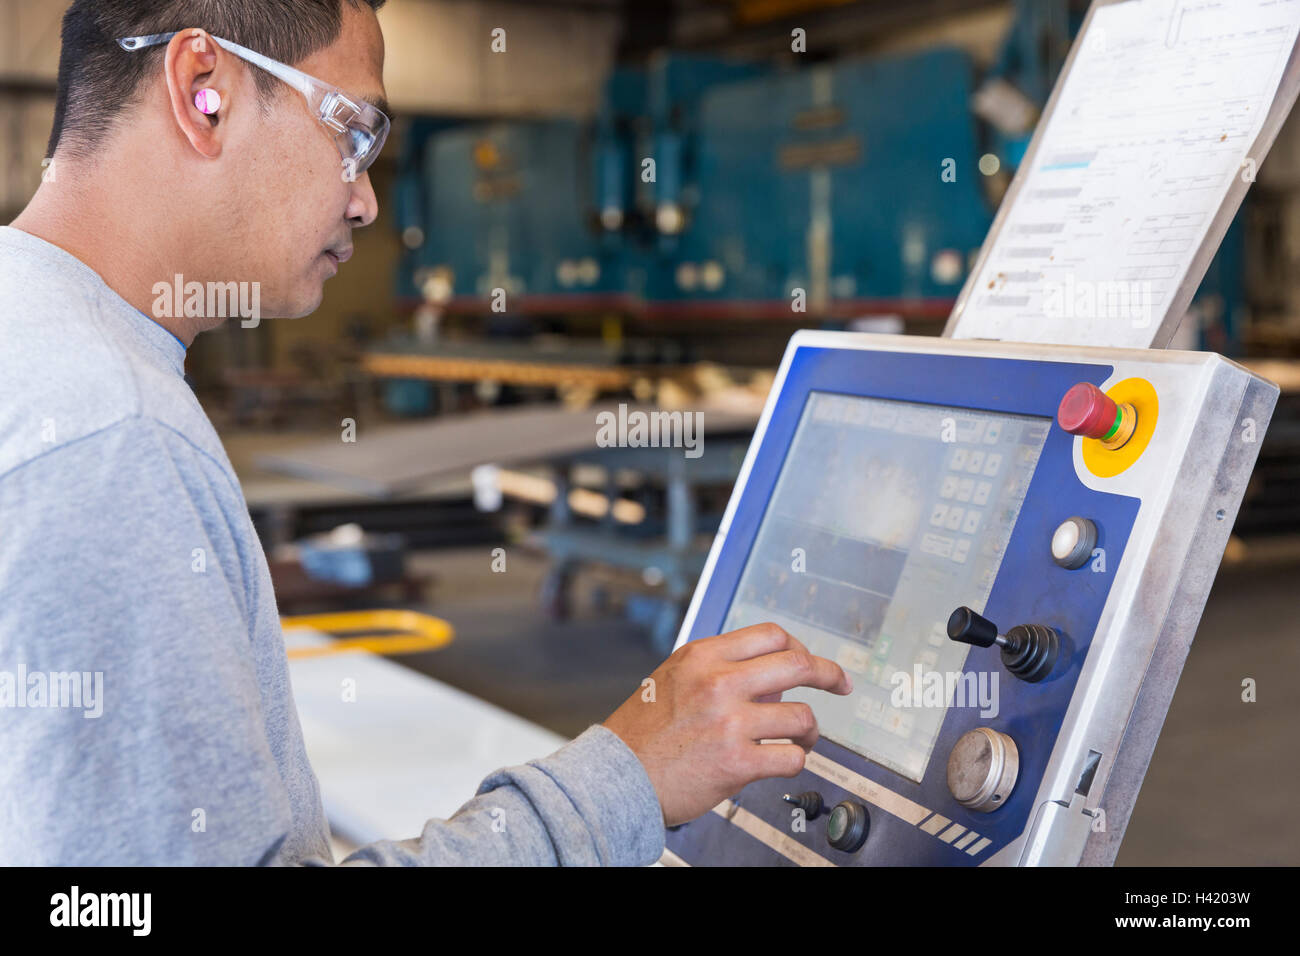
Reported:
(360, 130)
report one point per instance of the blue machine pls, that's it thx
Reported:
(828, 180)
(654, 112)
(616, 133)
(900, 496)
(555, 213)
(503, 201)
(831, 180)
(410, 198)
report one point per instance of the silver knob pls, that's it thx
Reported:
(982, 769)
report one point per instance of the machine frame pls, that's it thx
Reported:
(1157, 593)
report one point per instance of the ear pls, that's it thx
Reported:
(194, 62)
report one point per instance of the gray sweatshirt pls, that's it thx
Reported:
(146, 715)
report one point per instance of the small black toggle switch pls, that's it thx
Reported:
(810, 802)
(1029, 651)
(968, 627)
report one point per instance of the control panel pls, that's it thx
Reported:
(1007, 548)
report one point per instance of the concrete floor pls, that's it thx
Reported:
(1220, 789)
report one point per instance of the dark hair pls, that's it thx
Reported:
(98, 79)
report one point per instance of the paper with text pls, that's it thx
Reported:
(1155, 119)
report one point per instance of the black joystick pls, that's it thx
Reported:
(810, 802)
(1028, 650)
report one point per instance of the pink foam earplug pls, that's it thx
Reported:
(207, 101)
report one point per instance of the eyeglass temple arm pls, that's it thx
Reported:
(295, 78)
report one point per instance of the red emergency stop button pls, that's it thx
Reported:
(1088, 411)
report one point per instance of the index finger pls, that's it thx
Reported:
(796, 667)
(753, 641)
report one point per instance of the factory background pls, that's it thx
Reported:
(589, 202)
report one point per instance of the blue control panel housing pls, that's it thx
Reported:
(1029, 588)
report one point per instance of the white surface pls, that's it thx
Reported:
(408, 749)
(1066, 537)
(1155, 119)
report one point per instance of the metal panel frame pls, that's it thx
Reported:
(1160, 586)
(1209, 539)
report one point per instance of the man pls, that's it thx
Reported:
(226, 141)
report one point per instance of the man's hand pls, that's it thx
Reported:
(697, 727)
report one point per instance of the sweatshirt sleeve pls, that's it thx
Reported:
(590, 803)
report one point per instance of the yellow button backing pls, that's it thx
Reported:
(1141, 395)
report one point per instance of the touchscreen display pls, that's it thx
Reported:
(886, 516)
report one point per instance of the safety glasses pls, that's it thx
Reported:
(359, 129)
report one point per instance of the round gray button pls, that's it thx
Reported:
(1073, 542)
(982, 769)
